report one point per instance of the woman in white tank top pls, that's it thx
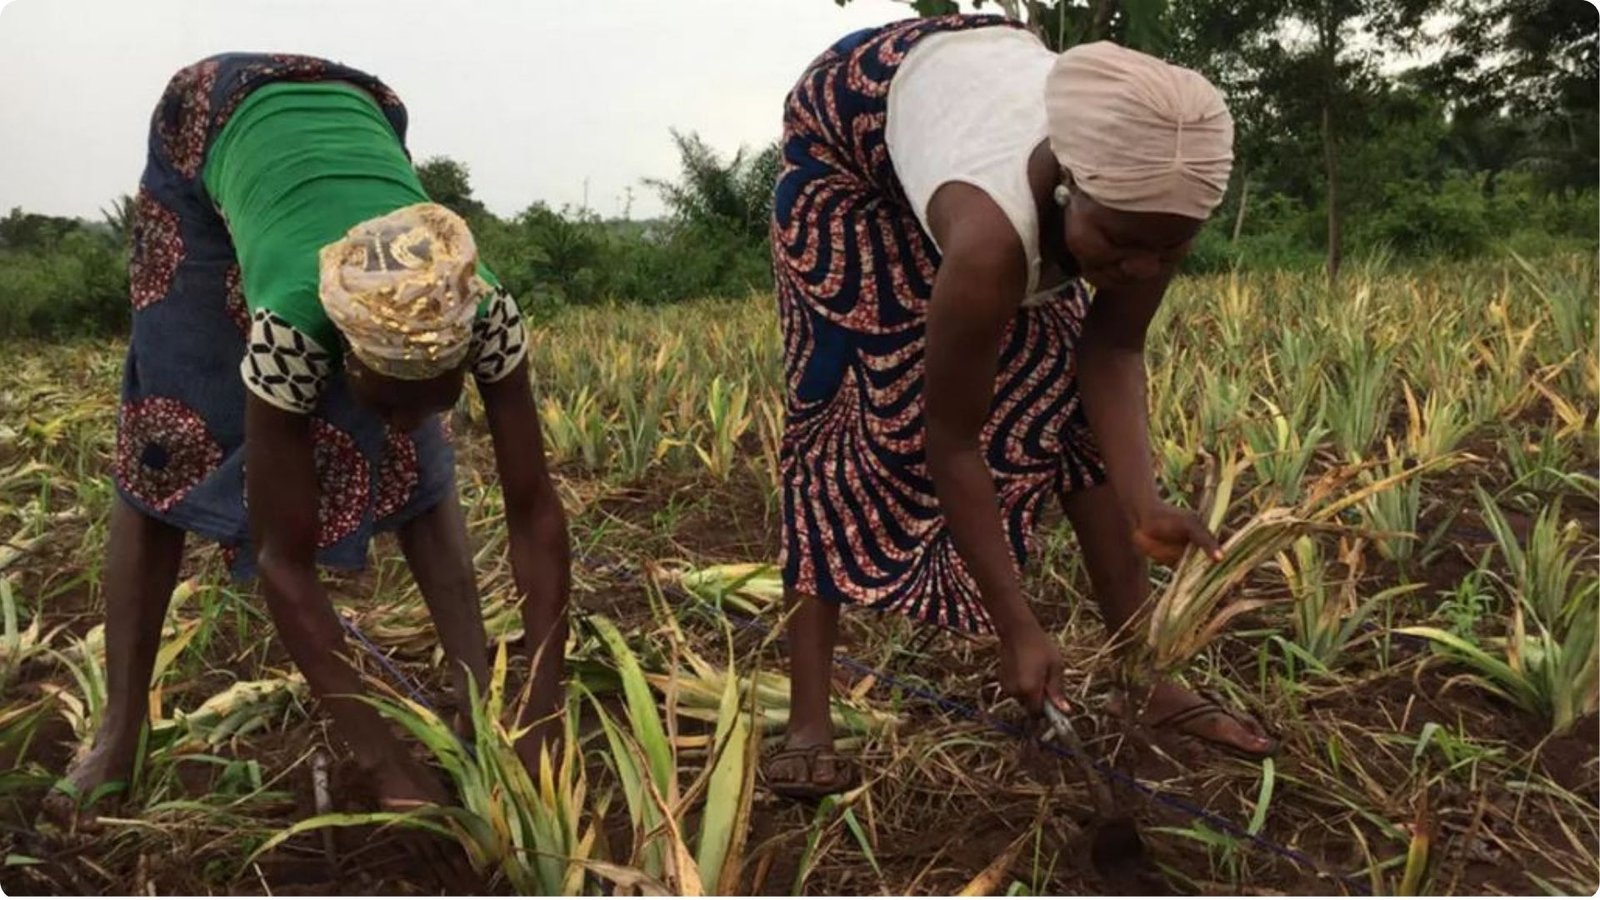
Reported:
(951, 190)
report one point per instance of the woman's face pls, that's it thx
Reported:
(404, 405)
(1115, 248)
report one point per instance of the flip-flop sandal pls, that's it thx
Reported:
(402, 807)
(1212, 705)
(841, 771)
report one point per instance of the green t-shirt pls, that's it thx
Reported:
(297, 166)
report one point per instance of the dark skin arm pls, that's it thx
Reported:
(539, 547)
(976, 293)
(281, 486)
(1111, 379)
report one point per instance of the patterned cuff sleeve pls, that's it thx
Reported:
(283, 366)
(499, 341)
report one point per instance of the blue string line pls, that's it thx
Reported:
(411, 688)
(980, 717)
(975, 715)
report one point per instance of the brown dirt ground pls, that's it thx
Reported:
(935, 821)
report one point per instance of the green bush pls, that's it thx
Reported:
(1461, 215)
(76, 283)
(692, 264)
(550, 259)
(1450, 219)
(1276, 234)
(77, 286)
(61, 277)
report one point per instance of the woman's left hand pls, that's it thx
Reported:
(1163, 532)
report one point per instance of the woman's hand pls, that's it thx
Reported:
(1162, 532)
(1030, 667)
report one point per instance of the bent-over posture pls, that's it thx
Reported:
(302, 315)
(971, 235)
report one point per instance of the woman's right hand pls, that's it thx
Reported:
(1030, 667)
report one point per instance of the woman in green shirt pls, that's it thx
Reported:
(298, 301)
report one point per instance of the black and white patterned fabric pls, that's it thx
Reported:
(287, 368)
(283, 366)
(499, 341)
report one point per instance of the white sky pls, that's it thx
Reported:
(534, 96)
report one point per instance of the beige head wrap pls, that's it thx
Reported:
(1139, 134)
(404, 291)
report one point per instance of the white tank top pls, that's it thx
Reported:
(968, 106)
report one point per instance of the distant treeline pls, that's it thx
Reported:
(1491, 146)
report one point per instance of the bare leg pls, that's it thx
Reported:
(1117, 572)
(806, 767)
(435, 546)
(812, 632)
(1120, 580)
(142, 560)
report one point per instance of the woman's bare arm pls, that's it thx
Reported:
(540, 551)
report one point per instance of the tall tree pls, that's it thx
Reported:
(1344, 107)
(119, 219)
(732, 196)
(1524, 80)
(34, 231)
(1302, 79)
(1141, 24)
(449, 183)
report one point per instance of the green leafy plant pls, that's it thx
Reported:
(1199, 600)
(1282, 448)
(646, 763)
(1328, 614)
(531, 833)
(1547, 661)
(727, 420)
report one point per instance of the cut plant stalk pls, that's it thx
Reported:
(749, 588)
(647, 763)
(1195, 607)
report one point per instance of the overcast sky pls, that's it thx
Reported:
(537, 97)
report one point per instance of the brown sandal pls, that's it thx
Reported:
(824, 773)
(1211, 705)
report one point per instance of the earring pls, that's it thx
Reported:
(1062, 194)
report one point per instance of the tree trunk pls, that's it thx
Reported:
(1330, 150)
(1036, 19)
(1100, 23)
(1331, 157)
(1244, 201)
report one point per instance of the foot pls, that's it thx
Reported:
(90, 780)
(1174, 708)
(809, 772)
(408, 785)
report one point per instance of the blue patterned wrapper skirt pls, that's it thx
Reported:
(854, 272)
(180, 453)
